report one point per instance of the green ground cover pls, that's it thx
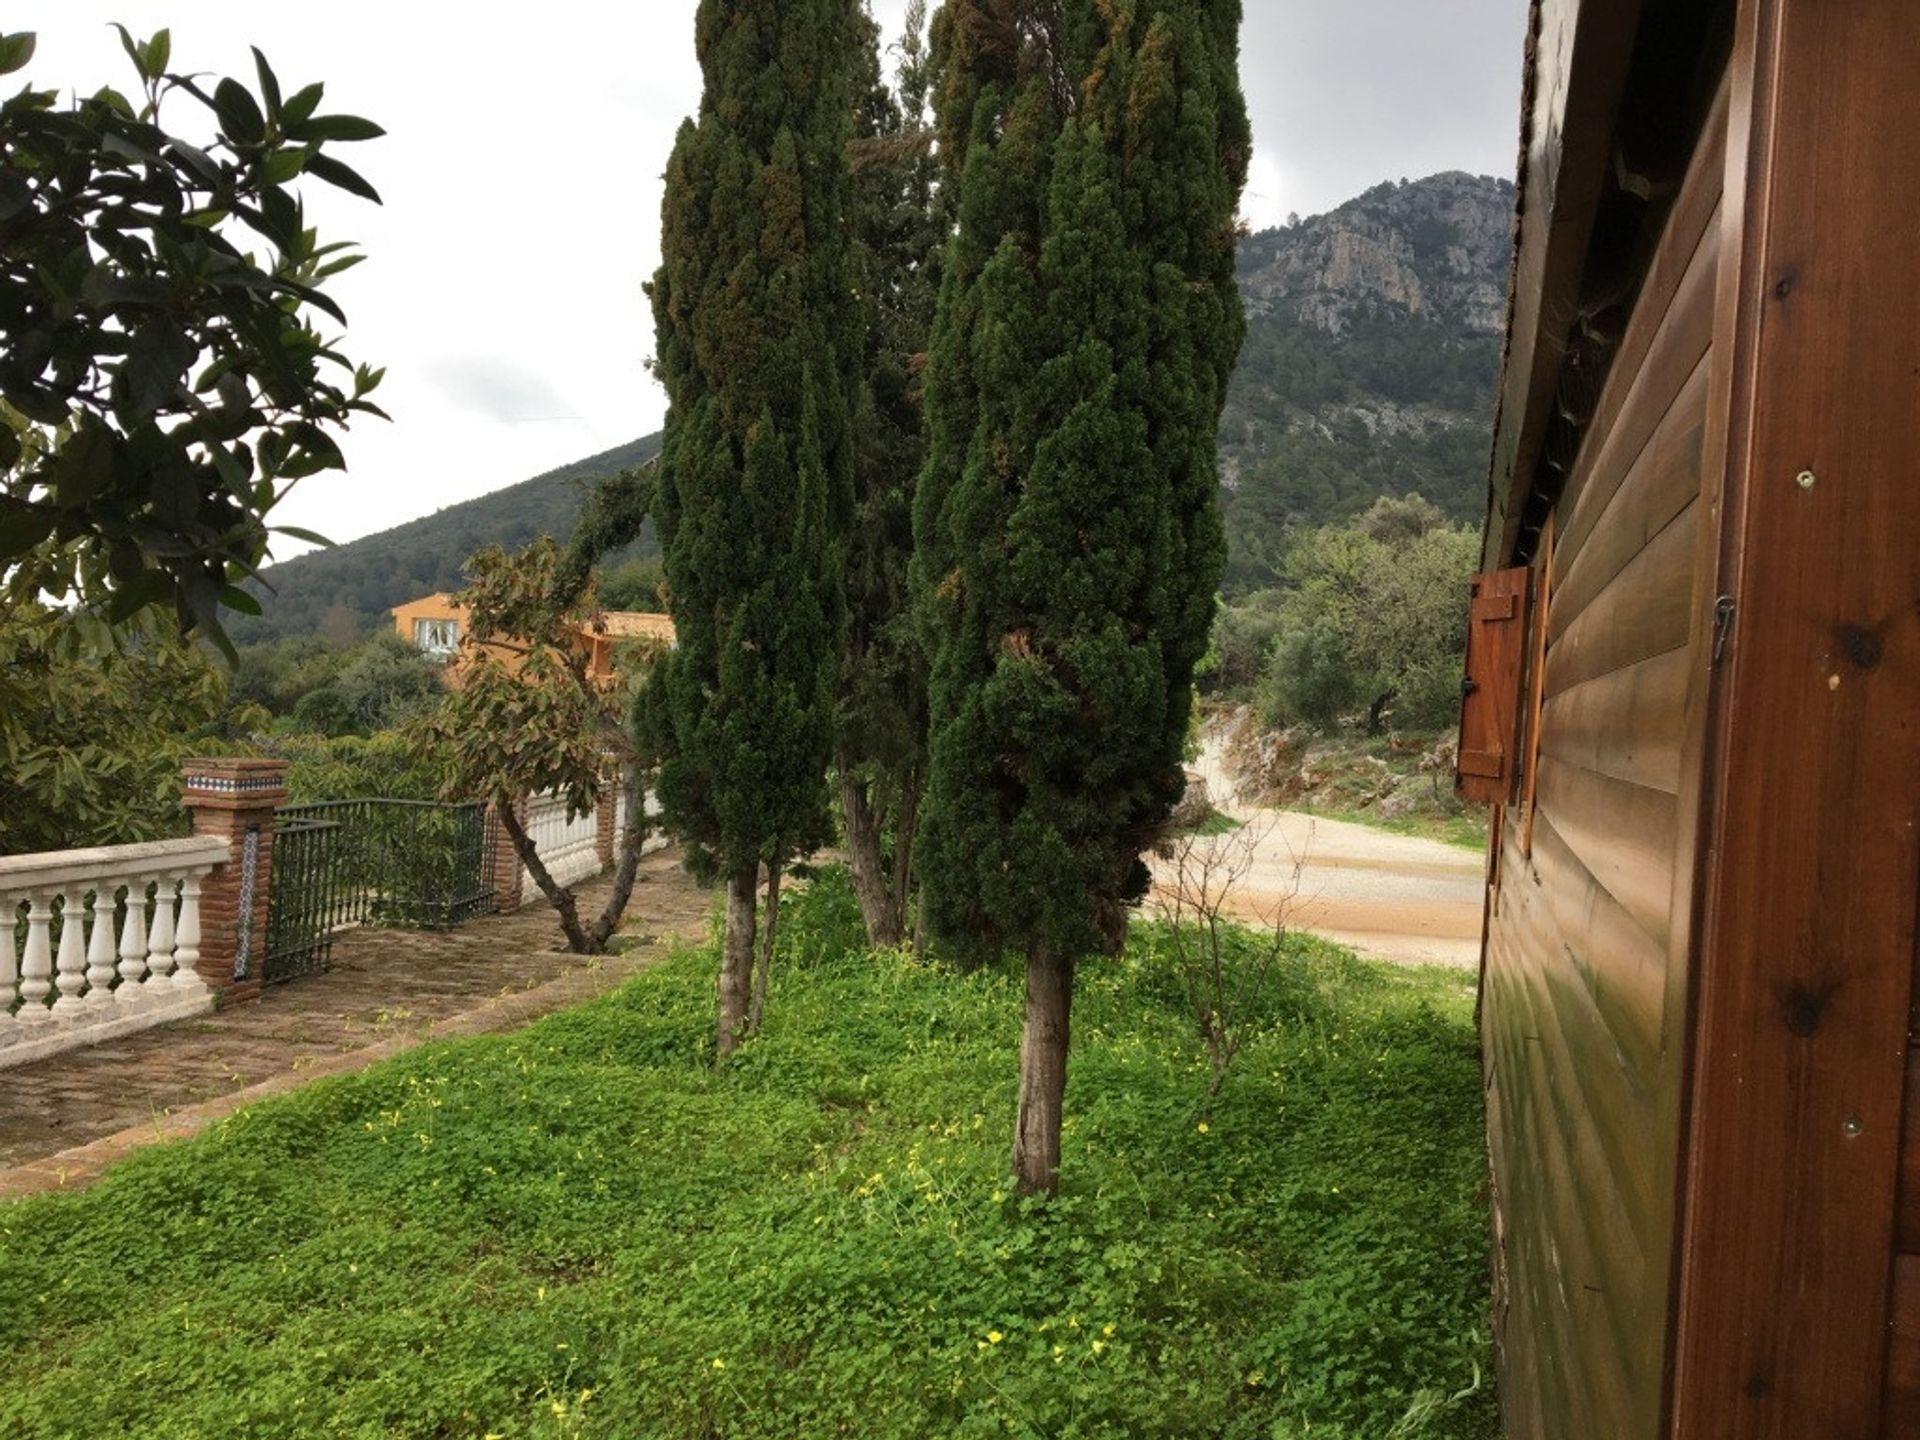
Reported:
(580, 1230)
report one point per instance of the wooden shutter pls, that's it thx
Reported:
(1490, 698)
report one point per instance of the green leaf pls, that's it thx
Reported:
(239, 113)
(334, 267)
(159, 52)
(339, 127)
(136, 52)
(312, 297)
(312, 537)
(284, 165)
(111, 98)
(119, 146)
(198, 161)
(269, 83)
(326, 168)
(234, 598)
(23, 527)
(16, 51)
(302, 104)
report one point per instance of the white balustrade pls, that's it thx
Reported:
(74, 982)
(569, 848)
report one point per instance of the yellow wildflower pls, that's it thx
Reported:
(718, 1363)
(994, 1337)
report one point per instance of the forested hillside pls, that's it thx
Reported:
(1368, 370)
(1373, 344)
(339, 593)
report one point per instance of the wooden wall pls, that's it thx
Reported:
(1589, 934)
(1798, 1310)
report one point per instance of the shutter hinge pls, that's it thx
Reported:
(1723, 612)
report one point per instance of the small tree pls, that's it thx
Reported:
(527, 718)
(1373, 625)
(1067, 529)
(758, 352)
(162, 388)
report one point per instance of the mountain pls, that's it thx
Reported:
(350, 588)
(1372, 352)
(1373, 345)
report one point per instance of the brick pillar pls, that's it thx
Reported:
(235, 800)
(604, 839)
(503, 863)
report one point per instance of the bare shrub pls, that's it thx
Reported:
(1227, 934)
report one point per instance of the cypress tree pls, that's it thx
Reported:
(901, 219)
(758, 352)
(1067, 525)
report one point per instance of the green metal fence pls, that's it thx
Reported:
(342, 863)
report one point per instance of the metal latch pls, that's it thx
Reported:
(1723, 612)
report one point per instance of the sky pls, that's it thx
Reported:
(521, 178)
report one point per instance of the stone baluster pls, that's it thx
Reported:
(36, 965)
(186, 955)
(100, 956)
(133, 941)
(160, 940)
(9, 961)
(70, 967)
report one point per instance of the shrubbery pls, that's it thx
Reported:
(388, 765)
(1370, 629)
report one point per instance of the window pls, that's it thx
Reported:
(1490, 694)
(436, 637)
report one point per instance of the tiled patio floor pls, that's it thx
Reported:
(64, 1119)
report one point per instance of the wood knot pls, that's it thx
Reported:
(1862, 646)
(1758, 1387)
(1804, 1008)
(1783, 287)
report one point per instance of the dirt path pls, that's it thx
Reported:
(66, 1118)
(1391, 896)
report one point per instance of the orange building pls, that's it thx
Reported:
(436, 625)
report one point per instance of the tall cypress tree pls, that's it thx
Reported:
(1067, 526)
(901, 219)
(758, 350)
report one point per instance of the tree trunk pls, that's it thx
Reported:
(578, 940)
(906, 825)
(1043, 1074)
(736, 961)
(766, 949)
(627, 858)
(1376, 712)
(867, 864)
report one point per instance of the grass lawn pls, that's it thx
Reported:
(1468, 831)
(580, 1230)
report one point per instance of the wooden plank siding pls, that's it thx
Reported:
(1584, 1023)
(1799, 1301)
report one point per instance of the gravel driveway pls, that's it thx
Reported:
(1394, 897)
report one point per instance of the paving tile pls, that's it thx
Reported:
(385, 991)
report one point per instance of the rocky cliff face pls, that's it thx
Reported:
(1373, 342)
(1436, 249)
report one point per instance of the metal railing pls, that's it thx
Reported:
(342, 863)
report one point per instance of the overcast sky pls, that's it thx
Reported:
(521, 174)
